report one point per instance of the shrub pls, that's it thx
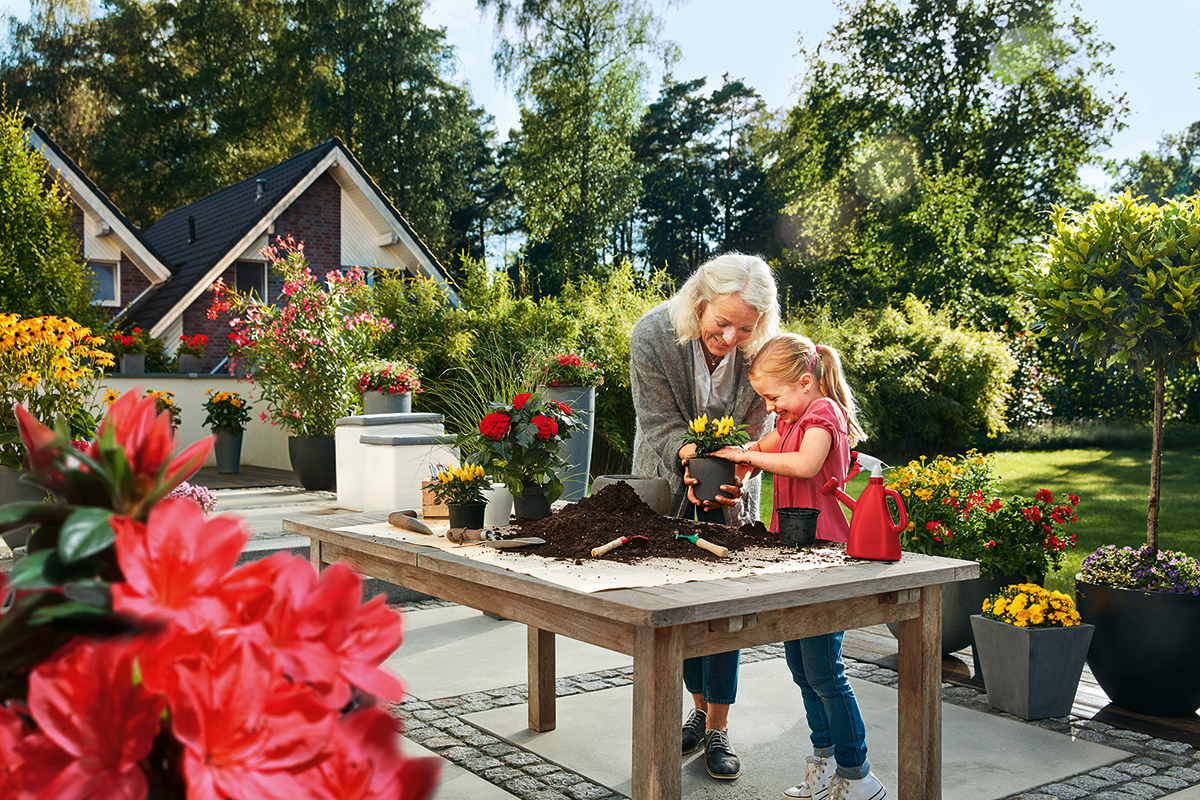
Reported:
(923, 382)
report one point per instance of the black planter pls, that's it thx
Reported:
(797, 526)
(713, 473)
(227, 447)
(1145, 649)
(531, 503)
(314, 461)
(466, 515)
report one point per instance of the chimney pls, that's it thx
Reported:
(191, 229)
(262, 188)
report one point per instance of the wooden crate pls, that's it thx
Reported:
(431, 506)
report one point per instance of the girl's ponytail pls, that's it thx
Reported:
(834, 386)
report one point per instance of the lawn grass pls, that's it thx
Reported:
(1113, 487)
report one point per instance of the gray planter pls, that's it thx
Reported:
(383, 403)
(576, 451)
(186, 363)
(1031, 673)
(133, 364)
(228, 450)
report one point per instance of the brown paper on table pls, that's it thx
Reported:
(597, 575)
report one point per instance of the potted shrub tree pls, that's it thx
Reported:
(303, 354)
(571, 379)
(226, 416)
(1120, 281)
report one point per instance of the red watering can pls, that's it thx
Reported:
(873, 533)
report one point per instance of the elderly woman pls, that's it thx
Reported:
(691, 356)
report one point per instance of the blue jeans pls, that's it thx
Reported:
(713, 677)
(829, 703)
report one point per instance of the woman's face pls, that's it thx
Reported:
(725, 323)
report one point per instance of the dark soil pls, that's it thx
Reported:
(616, 510)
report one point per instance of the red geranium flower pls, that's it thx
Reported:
(1044, 496)
(566, 409)
(547, 427)
(520, 400)
(1074, 498)
(495, 425)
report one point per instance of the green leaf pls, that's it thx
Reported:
(66, 610)
(32, 571)
(14, 515)
(86, 532)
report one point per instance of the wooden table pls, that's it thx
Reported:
(661, 626)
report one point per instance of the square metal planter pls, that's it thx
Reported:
(1031, 673)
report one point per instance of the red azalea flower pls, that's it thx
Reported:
(1044, 496)
(495, 425)
(86, 702)
(365, 762)
(520, 400)
(247, 730)
(31, 760)
(547, 427)
(1074, 498)
(174, 562)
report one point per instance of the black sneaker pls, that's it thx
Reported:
(719, 758)
(693, 731)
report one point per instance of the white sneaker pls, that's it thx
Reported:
(868, 788)
(817, 776)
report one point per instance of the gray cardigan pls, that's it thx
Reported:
(662, 377)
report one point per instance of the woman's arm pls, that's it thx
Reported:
(804, 463)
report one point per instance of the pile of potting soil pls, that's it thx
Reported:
(616, 510)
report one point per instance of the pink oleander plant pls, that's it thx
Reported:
(136, 660)
(303, 354)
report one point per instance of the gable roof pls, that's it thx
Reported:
(230, 220)
(87, 195)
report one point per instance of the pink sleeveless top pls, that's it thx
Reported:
(832, 524)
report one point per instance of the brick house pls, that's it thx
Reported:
(322, 197)
(126, 265)
(160, 280)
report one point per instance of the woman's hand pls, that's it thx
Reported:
(730, 495)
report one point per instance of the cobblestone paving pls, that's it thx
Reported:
(1154, 768)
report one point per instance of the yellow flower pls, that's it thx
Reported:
(699, 424)
(110, 396)
(28, 379)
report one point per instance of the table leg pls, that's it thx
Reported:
(657, 713)
(314, 551)
(920, 700)
(540, 670)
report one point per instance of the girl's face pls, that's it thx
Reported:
(725, 323)
(788, 400)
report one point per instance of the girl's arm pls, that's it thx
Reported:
(804, 463)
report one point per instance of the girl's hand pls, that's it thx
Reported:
(735, 454)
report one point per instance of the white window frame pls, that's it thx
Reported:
(115, 266)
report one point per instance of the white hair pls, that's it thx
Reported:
(747, 277)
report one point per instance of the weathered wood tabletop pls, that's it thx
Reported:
(660, 626)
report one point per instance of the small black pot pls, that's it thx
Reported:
(797, 526)
(466, 515)
(531, 503)
(713, 473)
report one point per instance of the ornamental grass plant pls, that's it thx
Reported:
(51, 366)
(1028, 605)
(303, 354)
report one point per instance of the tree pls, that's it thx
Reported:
(1172, 171)
(377, 77)
(578, 71)
(41, 271)
(906, 109)
(49, 70)
(703, 187)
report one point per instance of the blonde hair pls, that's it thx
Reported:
(747, 277)
(789, 356)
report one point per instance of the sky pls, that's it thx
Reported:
(1155, 56)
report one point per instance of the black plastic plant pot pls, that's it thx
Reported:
(1146, 648)
(466, 515)
(797, 526)
(713, 473)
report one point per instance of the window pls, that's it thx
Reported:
(108, 284)
(252, 280)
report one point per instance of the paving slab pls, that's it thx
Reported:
(1187, 794)
(456, 783)
(984, 756)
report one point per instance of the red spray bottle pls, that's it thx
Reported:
(874, 535)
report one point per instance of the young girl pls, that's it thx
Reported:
(815, 427)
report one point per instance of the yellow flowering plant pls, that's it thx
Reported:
(164, 402)
(460, 485)
(1028, 605)
(51, 366)
(226, 411)
(710, 435)
(930, 488)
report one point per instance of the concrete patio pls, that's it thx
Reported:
(470, 710)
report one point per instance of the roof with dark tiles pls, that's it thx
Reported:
(222, 219)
